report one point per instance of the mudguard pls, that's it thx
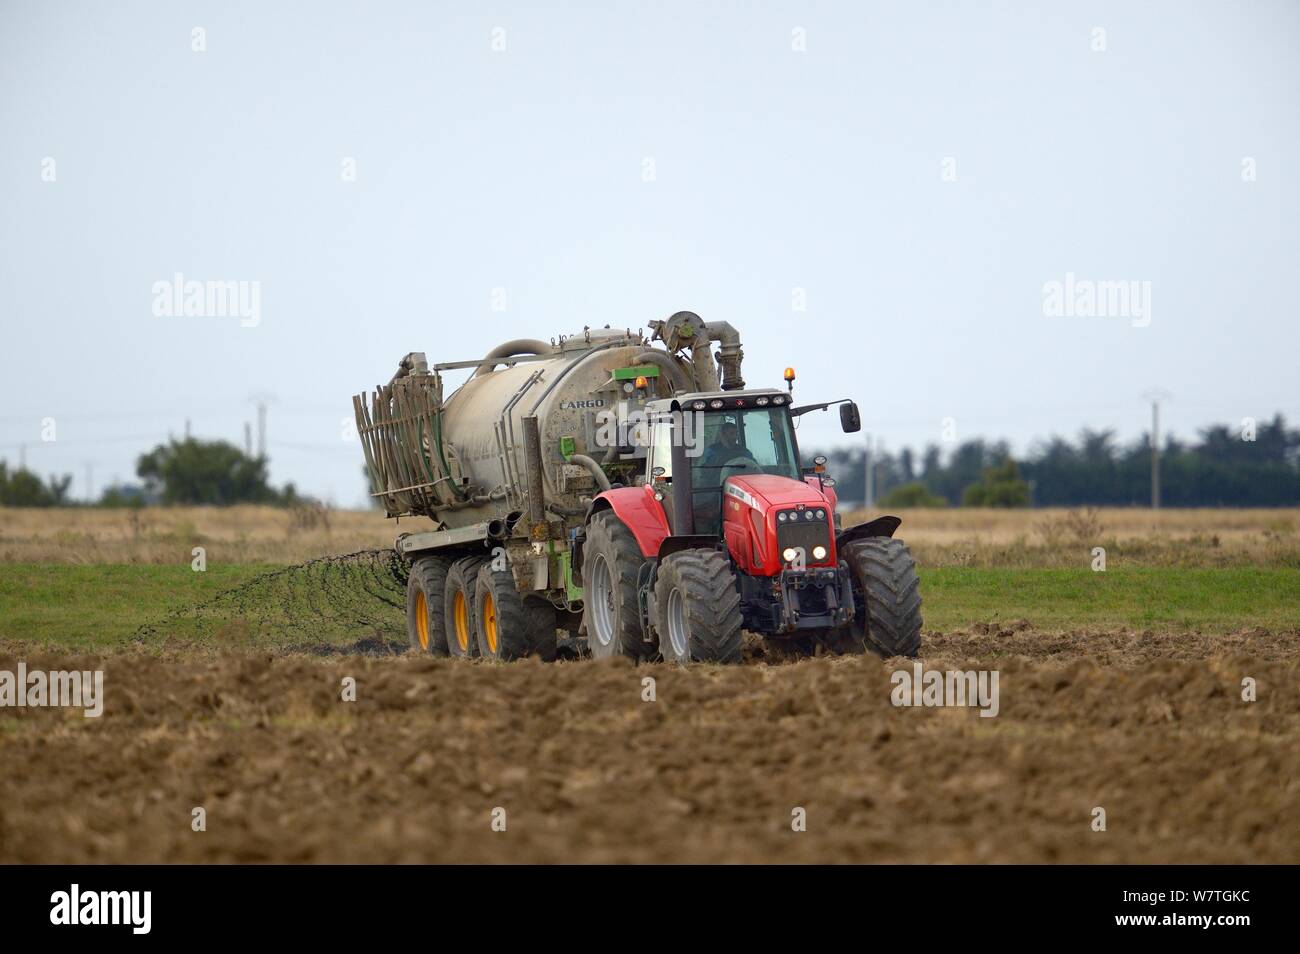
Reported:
(880, 527)
(698, 541)
(640, 513)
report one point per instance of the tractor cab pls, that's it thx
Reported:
(722, 436)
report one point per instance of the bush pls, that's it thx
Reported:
(915, 494)
(208, 472)
(22, 488)
(1000, 486)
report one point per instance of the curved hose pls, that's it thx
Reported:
(593, 468)
(509, 350)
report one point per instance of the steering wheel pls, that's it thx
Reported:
(742, 464)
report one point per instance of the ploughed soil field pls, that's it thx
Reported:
(434, 757)
(1120, 691)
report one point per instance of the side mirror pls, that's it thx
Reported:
(850, 419)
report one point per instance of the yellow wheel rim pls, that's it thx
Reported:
(460, 612)
(422, 619)
(490, 622)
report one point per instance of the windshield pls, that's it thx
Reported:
(743, 441)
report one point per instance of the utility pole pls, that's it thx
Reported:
(262, 400)
(1155, 396)
(248, 439)
(90, 484)
(187, 428)
(22, 456)
(869, 484)
(1155, 455)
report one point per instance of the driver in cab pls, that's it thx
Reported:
(726, 448)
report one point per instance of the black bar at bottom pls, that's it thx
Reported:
(920, 904)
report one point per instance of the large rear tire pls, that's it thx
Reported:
(611, 564)
(697, 608)
(500, 619)
(888, 597)
(458, 607)
(426, 621)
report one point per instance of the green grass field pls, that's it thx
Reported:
(104, 605)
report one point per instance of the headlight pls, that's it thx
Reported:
(807, 514)
(762, 402)
(821, 514)
(788, 554)
(781, 516)
(819, 553)
(715, 403)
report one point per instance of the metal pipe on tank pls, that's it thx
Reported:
(730, 354)
(537, 529)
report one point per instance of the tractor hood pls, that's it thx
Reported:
(764, 491)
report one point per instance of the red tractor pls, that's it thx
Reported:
(727, 532)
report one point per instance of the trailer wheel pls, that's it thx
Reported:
(697, 608)
(426, 623)
(500, 619)
(542, 627)
(888, 597)
(612, 561)
(458, 607)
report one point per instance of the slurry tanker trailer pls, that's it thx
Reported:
(630, 493)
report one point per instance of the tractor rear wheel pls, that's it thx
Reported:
(458, 607)
(697, 608)
(426, 622)
(888, 597)
(611, 565)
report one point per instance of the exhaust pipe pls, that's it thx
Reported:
(682, 491)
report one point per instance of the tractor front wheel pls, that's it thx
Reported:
(887, 594)
(697, 608)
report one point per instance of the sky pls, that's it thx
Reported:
(880, 195)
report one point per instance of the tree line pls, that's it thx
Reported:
(1225, 466)
(188, 471)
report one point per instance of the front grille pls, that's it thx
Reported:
(807, 534)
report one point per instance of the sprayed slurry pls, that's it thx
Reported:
(353, 603)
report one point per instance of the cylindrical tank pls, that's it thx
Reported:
(568, 392)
